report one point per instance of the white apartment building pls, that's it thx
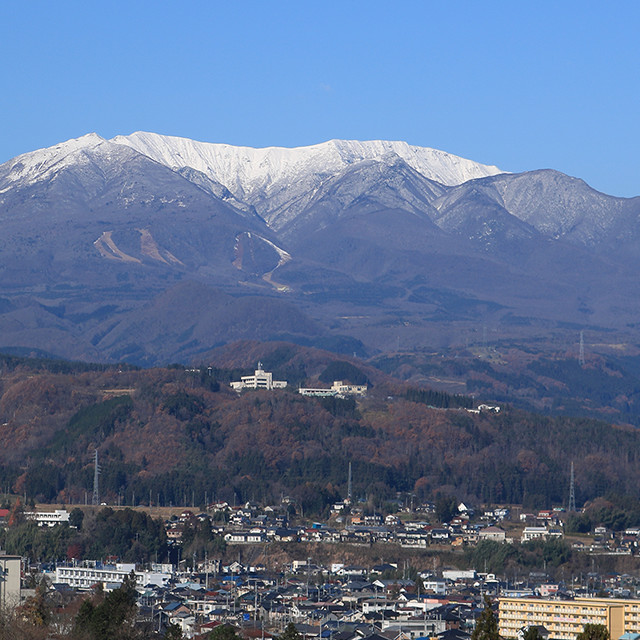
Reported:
(433, 585)
(92, 573)
(341, 388)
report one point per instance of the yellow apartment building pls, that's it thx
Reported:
(565, 619)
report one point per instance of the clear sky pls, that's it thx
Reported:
(522, 85)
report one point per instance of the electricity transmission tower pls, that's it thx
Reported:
(96, 474)
(572, 492)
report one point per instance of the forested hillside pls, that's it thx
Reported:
(182, 436)
(539, 377)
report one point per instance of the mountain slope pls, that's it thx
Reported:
(558, 206)
(362, 243)
(92, 231)
(386, 184)
(276, 178)
(86, 188)
(190, 317)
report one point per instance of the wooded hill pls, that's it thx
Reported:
(182, 436)
(540, 378)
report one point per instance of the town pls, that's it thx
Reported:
(269, 568)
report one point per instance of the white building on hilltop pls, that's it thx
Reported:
(338, 389)
(259, 380)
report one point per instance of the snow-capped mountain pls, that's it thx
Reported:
(153, 248)
(42, 164)
(277, 179)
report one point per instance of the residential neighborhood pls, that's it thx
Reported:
(265, 588)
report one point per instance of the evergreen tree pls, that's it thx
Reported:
(486, 625)
(76, 517)
(111, 619)
(173, 632)
(593, 632)
(290, 633)
(446, 507)
(224, 632)
(531, 633)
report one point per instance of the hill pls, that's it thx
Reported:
(178, 435)
(540, 378)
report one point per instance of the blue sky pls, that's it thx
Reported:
(516, 84)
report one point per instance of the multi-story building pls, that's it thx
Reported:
(92, 573)
(565, 619)
(259, 380)
(9, 580)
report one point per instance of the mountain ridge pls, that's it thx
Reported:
(350, 247)
(333, 154)
(273, 178)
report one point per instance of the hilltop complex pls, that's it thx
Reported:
(259, 380)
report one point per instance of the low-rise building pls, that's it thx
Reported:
(48, 518)
(496, 534)
(245, 537)
(338, 389)
(540, 533)
(433, 585)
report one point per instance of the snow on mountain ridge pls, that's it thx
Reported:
(245, 171)
(277, 183)
(37, 165)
